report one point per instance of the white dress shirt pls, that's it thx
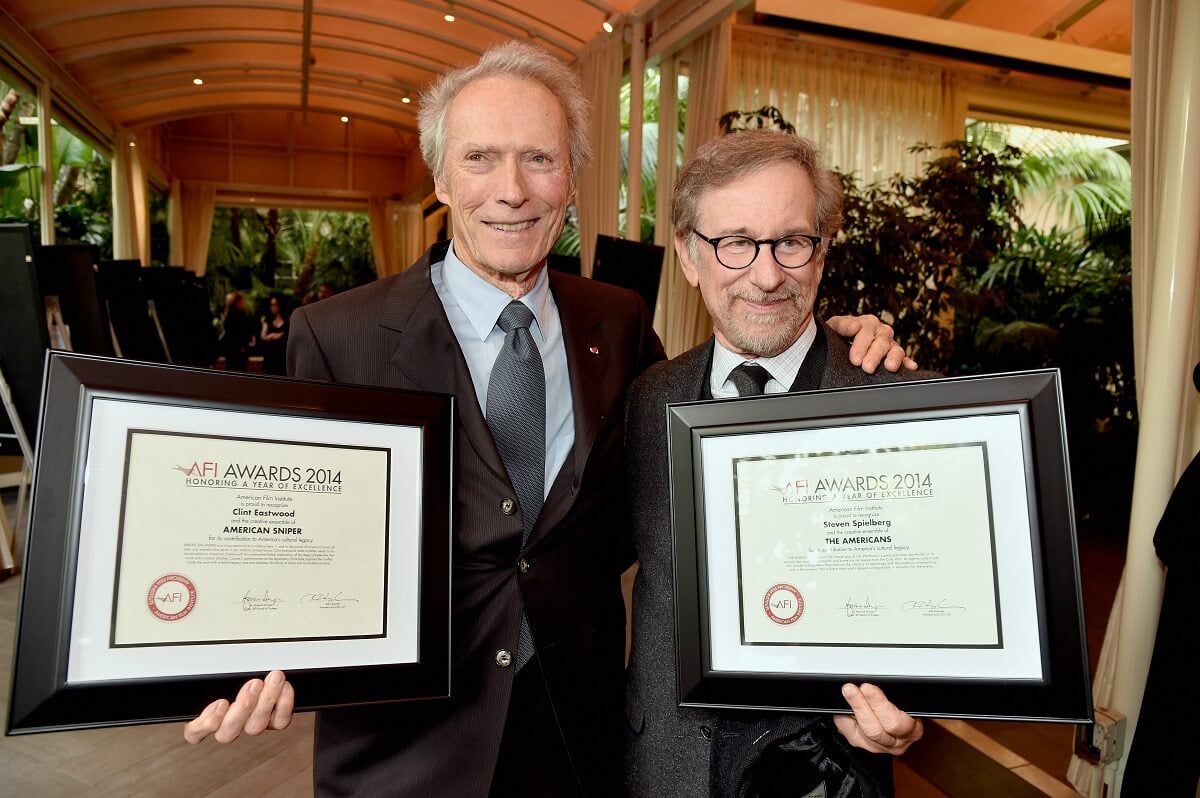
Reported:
(783, 368)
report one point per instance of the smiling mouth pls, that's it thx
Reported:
(514, 227)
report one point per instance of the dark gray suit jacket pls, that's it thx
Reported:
(680, 751)
(395, 333)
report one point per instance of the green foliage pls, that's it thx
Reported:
(291, 251)
(569, 241)
(20, 176)
(83, 202)
(970, 288)
(1066, 180)
(908, 242)
(83, 179)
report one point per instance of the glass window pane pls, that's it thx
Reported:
(20, 174)
(82, 192)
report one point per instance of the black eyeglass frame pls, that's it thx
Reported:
(818, 243)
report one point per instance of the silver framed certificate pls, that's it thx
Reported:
(916, 535)
(193, 528)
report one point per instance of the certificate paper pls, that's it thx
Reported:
(267, 540)
(876, 545)
(845, 548)
(236, 538)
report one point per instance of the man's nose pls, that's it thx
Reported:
(765, 273)
(513, 190)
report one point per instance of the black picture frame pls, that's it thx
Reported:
(1062, 692)
(43, 699)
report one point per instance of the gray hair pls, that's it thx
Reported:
(517, 60)
(735, 155)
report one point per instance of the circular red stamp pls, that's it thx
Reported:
(171, 597)
(783, 604)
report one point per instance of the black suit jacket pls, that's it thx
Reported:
(395, 333)
(683, 751)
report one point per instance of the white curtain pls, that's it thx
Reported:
(396, 232)
(598, 195)
(189, 221)
(682, 320)
(131, 211)
(864, 111)
(1166, 258)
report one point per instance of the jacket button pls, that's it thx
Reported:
(523, 565)
(508, 506)
(504, 658)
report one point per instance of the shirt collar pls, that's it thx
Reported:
(482, 302)
(783, 367)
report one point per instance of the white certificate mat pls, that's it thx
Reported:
(235, 539)
(895, 549)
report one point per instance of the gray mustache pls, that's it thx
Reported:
(774, 296)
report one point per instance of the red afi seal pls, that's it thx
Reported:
(783, 604)
(171, 597)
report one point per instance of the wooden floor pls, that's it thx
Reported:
(955, 759)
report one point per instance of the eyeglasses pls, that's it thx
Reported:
(738, 252)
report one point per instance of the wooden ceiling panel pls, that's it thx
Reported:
(1108, 27)
(137, 58)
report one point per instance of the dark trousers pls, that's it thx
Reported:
(533, 759)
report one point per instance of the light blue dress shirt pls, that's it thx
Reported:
(473, 305)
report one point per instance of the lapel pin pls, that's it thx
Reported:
(595, 350)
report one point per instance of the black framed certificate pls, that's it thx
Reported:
(192, 529)
(916, 535)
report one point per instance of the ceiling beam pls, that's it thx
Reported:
(149, 80)
(184, 38)
(1064, 18)
(947, 8)
(510, 27)
(237, 101)
(687, 28)
(132, 99)
(305, 59)
(951, 36)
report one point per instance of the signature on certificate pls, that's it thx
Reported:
(326, 599)
(259, 600)
(931, 606)
(854, 607)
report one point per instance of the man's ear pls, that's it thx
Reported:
(439, 190)
(686, 264)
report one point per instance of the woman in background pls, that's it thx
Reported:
(274, 337)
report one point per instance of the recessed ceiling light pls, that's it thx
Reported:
(199, 81)
(133, 144)
(449, 17)
(610, 24)
(406, 100)
(345, 119)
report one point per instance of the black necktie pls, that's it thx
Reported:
(750, 379)
(516, 413)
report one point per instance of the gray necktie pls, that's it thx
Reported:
(516, 413)
(750, 379)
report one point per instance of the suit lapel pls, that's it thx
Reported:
(590, 358)
(808, 378)
(427, 353)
